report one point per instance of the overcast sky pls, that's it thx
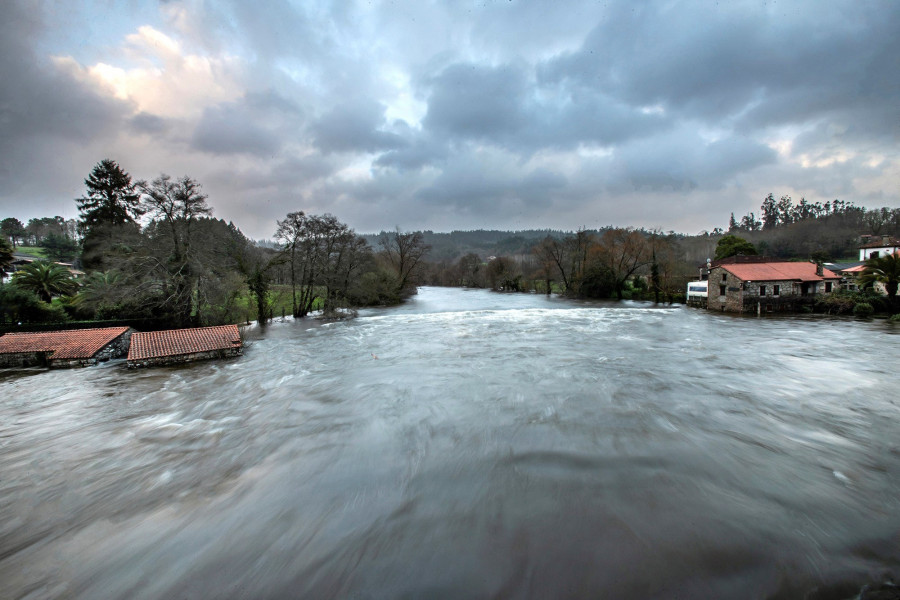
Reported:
(455, 115)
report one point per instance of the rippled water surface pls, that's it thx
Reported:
(467, 444)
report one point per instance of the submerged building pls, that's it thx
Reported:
(175, 346)
(66, 348)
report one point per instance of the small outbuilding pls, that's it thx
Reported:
(66, 348)
(155, 348)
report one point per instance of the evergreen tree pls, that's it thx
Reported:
(59, 247)
(111, 198)
(769, 211)
(12, 229)
(732, 245)
(112, 204)
(732, 224)
(6, 258)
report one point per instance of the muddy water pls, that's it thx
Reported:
(467, 444)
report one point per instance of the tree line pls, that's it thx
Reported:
(817, 230)
(151, 250)
(612, 263)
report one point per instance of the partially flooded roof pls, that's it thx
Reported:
(66, 344)
(175, 342)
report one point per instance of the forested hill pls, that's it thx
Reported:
(783, 229)
(484, 242)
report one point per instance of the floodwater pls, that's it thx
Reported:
(466, 445)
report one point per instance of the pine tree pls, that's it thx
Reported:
(111, 198)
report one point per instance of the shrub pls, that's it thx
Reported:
(895, 318)
(863, 309)
(19, 305)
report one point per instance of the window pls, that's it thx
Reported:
(874, 254)
(721, 290)
(724, 276)
(762, 290)
(828, 285)
(776, 290)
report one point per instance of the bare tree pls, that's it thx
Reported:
(623, 253)
(554, 254)
(175, 206)
(290, 233)
(404, 251)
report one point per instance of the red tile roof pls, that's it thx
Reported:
(69, 344)
(856, 269)
(175, 342)
(779, 271)
(890, 243)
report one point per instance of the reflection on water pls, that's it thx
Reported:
(467, 444)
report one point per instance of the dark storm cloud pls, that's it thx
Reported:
(406, 112)
(290, 177)
(681, 161)
(354, 127)
(720, 62)
(419, 150)
(258, 124)
(37, 98)
(477, 102)
(147, 123)
(486, 184)
(45, 111)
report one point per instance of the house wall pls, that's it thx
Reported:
(866, 253)
(23, 359)
(185, 358)
(732, 299)
(741, 296)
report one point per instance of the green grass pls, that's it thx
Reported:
(279, 297)
(31, 251)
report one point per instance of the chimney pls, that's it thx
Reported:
(819, 271)
(886, 240)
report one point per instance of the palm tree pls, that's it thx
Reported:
(46, 278)
(101, 287)
(886, 270)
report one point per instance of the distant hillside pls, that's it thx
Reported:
(483, 242)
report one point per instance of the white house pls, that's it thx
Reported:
(873, 246)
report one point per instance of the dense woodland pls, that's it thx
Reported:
(152, 252)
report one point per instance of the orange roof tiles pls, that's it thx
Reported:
(890, 243)
(779, 271)
(71, 344)
(175, 342)
(856, 269)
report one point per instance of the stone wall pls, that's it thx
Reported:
(185, 358)
(19, 360)
(115, 349)
(744, 297)
(725, 293)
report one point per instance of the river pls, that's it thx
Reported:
(466, 445)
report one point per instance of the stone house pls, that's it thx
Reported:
(767, 286)
(66, 348)
(174, 346)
